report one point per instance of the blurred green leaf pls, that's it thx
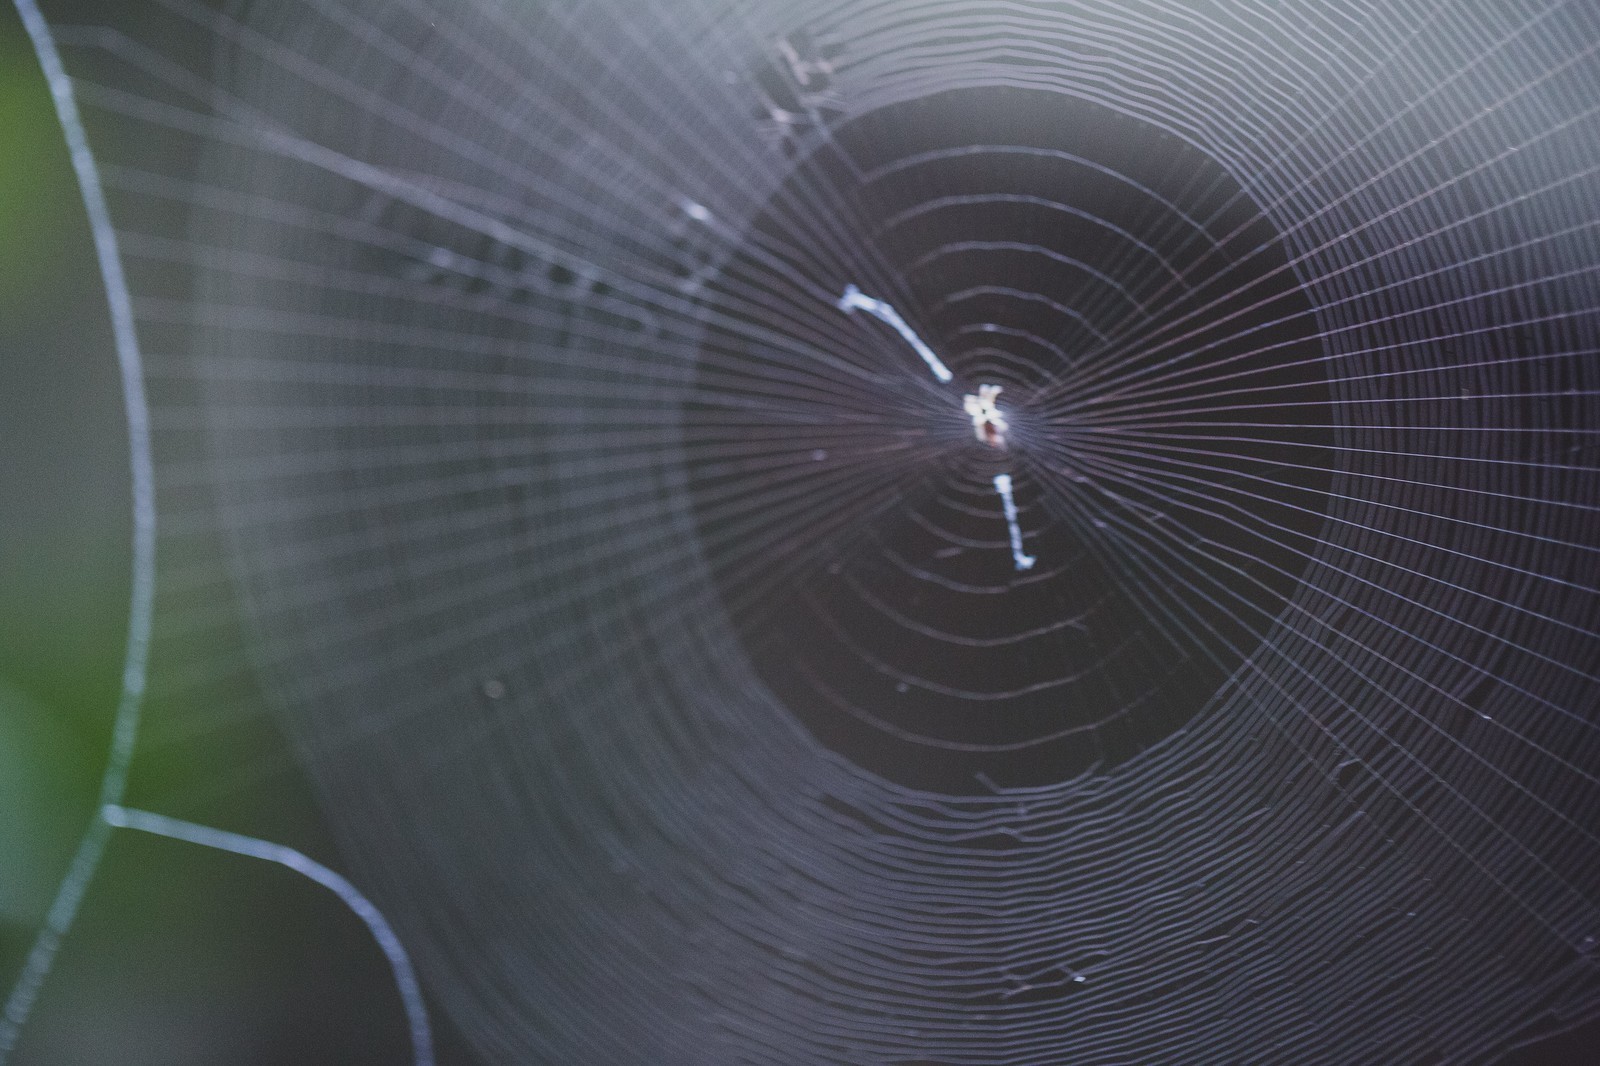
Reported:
(46, 790)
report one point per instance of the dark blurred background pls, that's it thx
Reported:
(180, 955)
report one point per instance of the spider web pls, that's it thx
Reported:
(649, 627)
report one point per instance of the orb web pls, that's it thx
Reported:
(584, 542)
(1131, 304)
